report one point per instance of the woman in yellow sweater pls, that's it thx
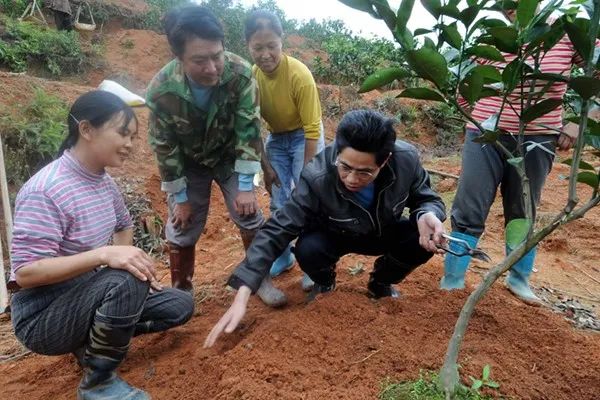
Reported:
(289, 103)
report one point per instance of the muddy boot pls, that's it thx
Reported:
(268, 293)
(455, 267)
(387, 271)
(182, 266)
(517, 281)
(108, 344)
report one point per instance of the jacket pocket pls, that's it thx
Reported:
(344, 225)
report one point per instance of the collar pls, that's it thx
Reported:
(79, 169)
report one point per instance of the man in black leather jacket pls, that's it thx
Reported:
(350, 199)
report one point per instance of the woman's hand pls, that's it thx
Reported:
(133, 260)
(230, 320)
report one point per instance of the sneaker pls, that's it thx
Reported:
(378, 290)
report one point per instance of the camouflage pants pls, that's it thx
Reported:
(199, 185)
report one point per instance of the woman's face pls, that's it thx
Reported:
(111, 143)
(265, 49)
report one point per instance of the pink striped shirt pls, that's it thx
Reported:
(64, 210)
(558, 60)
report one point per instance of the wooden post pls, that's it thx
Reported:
(8, 223)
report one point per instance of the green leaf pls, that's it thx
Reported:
(486, 372)
(421, 31)
(421, 94)
(404, 12)
(577, 32)
(428, 64)
(548, 77)
(451, 36)
(470, 87)
(587, 87)
(536, 35)
(505, 38)
(526, 11)
(511, 75)
(493, 23)
(429, 43)
(385, 13)
(516, 232)
(589, 178)
(476, 385)
(487, 137)
(450, 11)
(516, 161)
(468, 15)
(539, 109)
(405, 38)
(582, 164)
(492, 384)
(433, 6)
(383, 77)
(489, 73)
(361, 5)
(557, 31)
(487, 52)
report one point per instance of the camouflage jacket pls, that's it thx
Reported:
(226, 138)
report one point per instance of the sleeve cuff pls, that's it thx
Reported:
(181, 196)
(175, 186)
(245, 182)
(247, 167)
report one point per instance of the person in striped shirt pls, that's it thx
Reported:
(485, 167)
(81, 286)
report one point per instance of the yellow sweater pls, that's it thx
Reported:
(289, 98)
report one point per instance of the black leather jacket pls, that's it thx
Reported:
(321, 202)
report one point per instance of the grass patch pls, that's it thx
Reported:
(426, 388)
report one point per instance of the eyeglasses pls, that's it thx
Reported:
(345, 169)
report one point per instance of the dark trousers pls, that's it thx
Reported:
(317, 253)
(484, 168)
(63, 21)
(56, 319)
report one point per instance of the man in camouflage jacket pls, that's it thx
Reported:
(205, 127)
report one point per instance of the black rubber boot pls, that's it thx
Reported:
(107, 346)
(386, 272)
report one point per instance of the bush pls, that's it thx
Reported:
(25, 44)
(352, 58)
(425, 388)
(33, 136)
(13, 8)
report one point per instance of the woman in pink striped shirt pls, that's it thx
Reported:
(485, 167)
(82, 287)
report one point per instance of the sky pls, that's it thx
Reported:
(358, 21)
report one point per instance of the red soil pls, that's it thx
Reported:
(343, 345)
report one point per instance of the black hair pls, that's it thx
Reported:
(367, 131)
(184, 23)
(258, 20)
(97, 107)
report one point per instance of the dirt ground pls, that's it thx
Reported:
(343, 345)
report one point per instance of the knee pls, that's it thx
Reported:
(306, 249)
(123, 283)
(180, 307)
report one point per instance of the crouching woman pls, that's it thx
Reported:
(83, 287)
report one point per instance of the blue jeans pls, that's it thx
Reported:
(285, 152)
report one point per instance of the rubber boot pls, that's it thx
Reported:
(107, 346)
(268, 293)
(455, 267)
(387, 271)
(182, 262)
(283, 263)
(326, 284)
(517, 281)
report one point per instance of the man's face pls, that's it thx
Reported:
(356, 169)
(203, 60)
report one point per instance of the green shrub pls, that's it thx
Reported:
(58, 53)
(33, 136)
(13, 8)
(351, 58)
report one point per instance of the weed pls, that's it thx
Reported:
(356, 269)
(127, 44)
(425, 388)
(13, 8)
(33, 137)
(484, 381)
(448, 127)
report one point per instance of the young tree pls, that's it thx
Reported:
(466, 33)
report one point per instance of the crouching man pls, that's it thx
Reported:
(350, 199)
